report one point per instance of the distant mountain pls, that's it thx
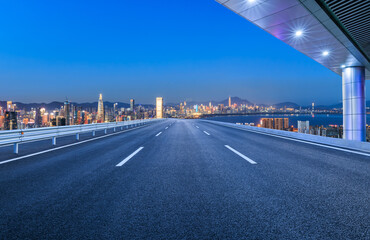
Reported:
(225, 102)
(286, 104)
(327, 107)
(28, 106)
(236, 100)
(338, 105)
(54, 105)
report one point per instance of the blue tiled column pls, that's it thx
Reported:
(354, 109)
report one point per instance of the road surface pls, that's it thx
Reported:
(184, 179)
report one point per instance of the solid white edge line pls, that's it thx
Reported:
(129, 157)
(206, 133)
(158, 134)
(240, 155)
(69, 145)
(303, 141)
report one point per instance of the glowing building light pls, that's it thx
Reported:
(325, 53)
(343, 66)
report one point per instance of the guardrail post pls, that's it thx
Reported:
(114, 129)
(121, 128)
(16, 148)
(77, 136)
(54, 141)
(93, 133)
(105, 131)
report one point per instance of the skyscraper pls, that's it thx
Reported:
(10, 122)
(132, 104)
(115, 110)
(100, 116)
(38, 118)
(9, 106)
(159, 107)
(229, 101)
(67, 112)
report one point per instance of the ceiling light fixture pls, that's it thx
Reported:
(298, 33)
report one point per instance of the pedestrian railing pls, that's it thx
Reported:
(36, 134)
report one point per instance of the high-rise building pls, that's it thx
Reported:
(229, 101)
(221, 107)
(286, 123)
(60, 121)
(2, 119)
(9, 106)
(45, 119)
(115, 110)
(10, 122)
(67, 112)
(132, 105)
(100, 116)
(267, 122)
(38, 118)
(106, 114)
(82, 115)
(303, 126)
(279, 123)
(159, 107)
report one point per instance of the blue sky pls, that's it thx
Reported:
(178, 49)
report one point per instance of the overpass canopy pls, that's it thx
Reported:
(334, 33)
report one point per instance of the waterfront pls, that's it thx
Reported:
(315, 120)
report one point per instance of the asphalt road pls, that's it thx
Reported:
(185, 179)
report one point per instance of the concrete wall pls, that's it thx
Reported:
(335, 142)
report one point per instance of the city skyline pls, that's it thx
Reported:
(127, 101)
(197, 58)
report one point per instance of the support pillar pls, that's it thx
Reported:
(15, 149)
(354, 104)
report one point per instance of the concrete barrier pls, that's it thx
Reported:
(335, 142)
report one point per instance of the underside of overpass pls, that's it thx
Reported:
(334, 33)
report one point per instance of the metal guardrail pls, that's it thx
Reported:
(37, 134)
